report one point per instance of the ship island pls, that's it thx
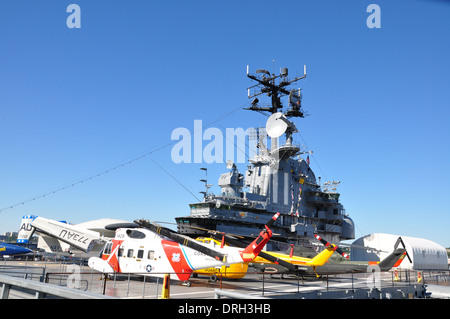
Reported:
(278, 178)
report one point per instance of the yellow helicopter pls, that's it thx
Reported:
(233, 271)
(238, 271)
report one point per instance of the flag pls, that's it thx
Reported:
(307, 160)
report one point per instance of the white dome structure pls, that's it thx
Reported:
(424, 253)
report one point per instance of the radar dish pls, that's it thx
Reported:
(230, 164)
(276, 125)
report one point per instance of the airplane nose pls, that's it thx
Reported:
(21, 250)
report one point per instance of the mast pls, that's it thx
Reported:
(276, 86)
(267, 83)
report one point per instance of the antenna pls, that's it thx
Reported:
(295, 98)
(275, 86)
(330, 185)
(205, 193)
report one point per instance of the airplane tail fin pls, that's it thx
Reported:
(255, 247)
(26, 230)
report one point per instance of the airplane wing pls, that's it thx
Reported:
(82, 239)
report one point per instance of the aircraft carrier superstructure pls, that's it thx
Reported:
(278, 179)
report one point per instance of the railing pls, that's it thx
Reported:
(331, 283)
(218, 293)
(139, 286)
(434, 277)
(42, 289)
(25, 272)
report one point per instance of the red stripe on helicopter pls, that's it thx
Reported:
(112, 258)
(177, 260)
(399, 261)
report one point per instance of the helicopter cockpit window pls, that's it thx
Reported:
(107, 249)
(136, 234)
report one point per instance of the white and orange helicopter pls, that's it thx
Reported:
(152, 250)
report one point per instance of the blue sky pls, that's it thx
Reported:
(76, 102)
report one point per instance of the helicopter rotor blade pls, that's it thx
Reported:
(183, 240)
(272, 220)
(266, 255)
(400, 241)
(229, 239)
(336, 248)
(188, 242)
(236, 242)
(277, 261)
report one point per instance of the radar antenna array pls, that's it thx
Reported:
(275, 86)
